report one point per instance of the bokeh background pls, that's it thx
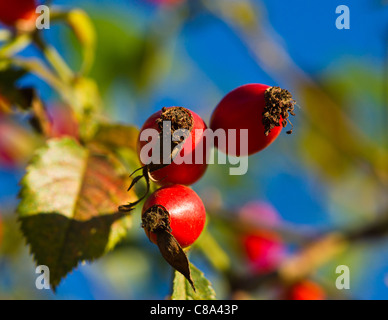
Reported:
(329, 175)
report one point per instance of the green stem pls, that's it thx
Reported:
(16, 45)
(55, 60)
(213, 252)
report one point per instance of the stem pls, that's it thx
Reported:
(36, 67)
(16, 45)
(55, 60)
(41, 116)
(385, 95)
(314, 255)
(213, 252)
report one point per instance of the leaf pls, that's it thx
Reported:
(183, 291)
(87, 103)
(68, 208)
(122, 141)
(117, 136)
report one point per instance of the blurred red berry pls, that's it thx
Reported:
(18, 13)
(306, 290)
(264, 248)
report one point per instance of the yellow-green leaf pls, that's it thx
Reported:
(182, 289)
(68, 208)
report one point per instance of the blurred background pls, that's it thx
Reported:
(329, 178)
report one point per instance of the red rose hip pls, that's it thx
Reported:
(264, 248)
(261, 109)
(186, 213)
(19, 13)
(187, 172)
(306, 290)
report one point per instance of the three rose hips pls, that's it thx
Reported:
(173, 217)
(18, 13)
(261, 109)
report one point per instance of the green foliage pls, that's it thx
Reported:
(20, 97)
(68, 208)
(182, 289)
(117, 136)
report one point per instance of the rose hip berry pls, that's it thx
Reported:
(263, 248)
(261, 109)
(264, 251)
(186, 214)
(181, 118)
(306, 290)
(18, 13)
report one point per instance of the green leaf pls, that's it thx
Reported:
(182, 289)
(10, 93)
(87, 104)
(117, 136)
(68, 208)
(122, 141)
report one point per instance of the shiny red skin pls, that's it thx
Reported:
(306, 290)
(187, 212)
(12, 11)
(242, 108)
(184, 173)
